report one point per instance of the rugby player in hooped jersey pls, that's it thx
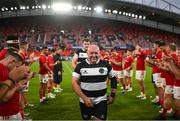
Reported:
(81, 54)
(89, 83)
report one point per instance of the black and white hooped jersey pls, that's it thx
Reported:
(92, 78)
(82, 55)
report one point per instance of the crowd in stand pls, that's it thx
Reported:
(105, 33)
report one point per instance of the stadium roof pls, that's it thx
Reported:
(154, 13)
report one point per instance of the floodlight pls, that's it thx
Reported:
(115, 11)
(75, 7)
(49, 6)
(99, 9)
(133, 15)
(62, 6)
(43, 6)
(79, 7)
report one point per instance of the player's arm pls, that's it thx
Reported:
(113, 87)
(115, 62)
(163, 66)
(4, 88)
(77, 89)
(11, 90)
(74, 60)
(174, 69)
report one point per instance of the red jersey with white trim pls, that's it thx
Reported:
(140, 64)
(50, 62)
(43, 60)
(170, 78)
(3, 53)
(117, 58)
(128, 61)
(11, 107)
(158, 57)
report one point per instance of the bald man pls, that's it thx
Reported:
(89, 83)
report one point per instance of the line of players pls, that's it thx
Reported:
(165, 81)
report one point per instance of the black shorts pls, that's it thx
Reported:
(57, 79)
(99, 111)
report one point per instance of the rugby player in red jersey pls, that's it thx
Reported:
(50, 82)
(116, 62)
(44, 72)
(171, 88)
(11, 85)
(127, 68)
(140, 70)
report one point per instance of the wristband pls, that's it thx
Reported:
(12, 80)
(112, 94)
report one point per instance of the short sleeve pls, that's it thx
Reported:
(76, 72)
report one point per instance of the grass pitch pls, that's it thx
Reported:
(66, 104)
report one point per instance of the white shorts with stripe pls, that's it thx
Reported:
(43, 78)
(156, 76)
(176, 91)
(118, 74)
(128, 73)
(140, 75)
(169, 89)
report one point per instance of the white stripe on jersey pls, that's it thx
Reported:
(93, 86)
(96, 100)
(111, 74)
(76, 75)
(94, 71)
(83, 55)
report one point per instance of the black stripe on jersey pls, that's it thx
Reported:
(81, 54)
(93, 79)
(94, 93)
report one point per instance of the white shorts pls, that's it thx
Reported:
(12, 117)
(43, 78)
(156, 76)
(168, 89)
(26, 89)
(51, 77)
(118, 74)
(176, 91)
(140, 75)
(161, 82)
(128, 73)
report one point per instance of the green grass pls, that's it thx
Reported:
(66, 107)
